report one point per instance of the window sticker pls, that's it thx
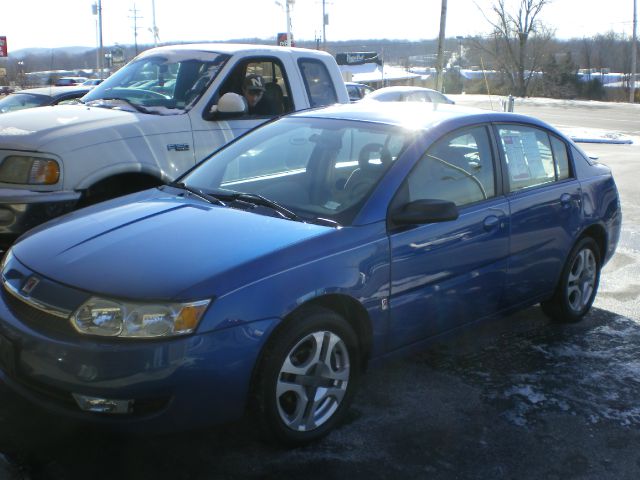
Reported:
(532, 155)
(514, 151)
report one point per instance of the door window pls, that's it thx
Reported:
(318, 82)
(533, 157)
(458, 168)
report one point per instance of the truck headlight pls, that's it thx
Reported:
(27, 170)
(110, 318)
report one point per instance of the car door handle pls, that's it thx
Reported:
(565, 200)
(491, 223)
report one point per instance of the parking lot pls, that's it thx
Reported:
(517, 397)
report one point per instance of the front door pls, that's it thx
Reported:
(210, 133)
(447, 274)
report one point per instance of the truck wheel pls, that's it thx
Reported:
(578, 285)
(306, 378)
(115, 187)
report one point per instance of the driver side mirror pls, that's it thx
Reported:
(420, 212)
(230, 105)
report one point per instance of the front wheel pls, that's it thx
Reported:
(306, 379)
(578, 285)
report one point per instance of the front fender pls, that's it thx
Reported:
(360, 273)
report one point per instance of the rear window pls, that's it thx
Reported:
(318, 82)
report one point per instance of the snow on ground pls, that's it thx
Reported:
(596, 135)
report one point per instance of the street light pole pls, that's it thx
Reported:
(101, 46)
(154, 27)
(324, 26)
(288, 10)
(440, 66)
(634, 54)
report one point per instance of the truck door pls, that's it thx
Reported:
(210, 133)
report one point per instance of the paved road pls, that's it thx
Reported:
(513, 398)
(621, 117)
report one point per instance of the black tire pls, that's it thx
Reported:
(292, 365)
(115, 187)
(578, 284)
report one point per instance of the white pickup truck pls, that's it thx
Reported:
(146, 124)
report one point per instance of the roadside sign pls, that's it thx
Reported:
(3, 46)
(282, 40)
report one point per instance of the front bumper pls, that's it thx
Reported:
(173, 384)
(21, 210)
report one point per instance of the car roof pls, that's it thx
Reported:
(416, 115)
(55, 91)
(405, 88)
(228, 48)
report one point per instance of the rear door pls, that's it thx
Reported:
(446, 274)
(545, 201)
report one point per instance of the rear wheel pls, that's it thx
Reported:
(306, 379)
(578, 285)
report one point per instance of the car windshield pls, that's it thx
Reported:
(317, 168)
(18, 101)
(160, 84)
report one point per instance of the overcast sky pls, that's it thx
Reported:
(47, 23)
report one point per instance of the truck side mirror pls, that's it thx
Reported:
(230, 105)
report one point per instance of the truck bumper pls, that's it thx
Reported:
(21, 210)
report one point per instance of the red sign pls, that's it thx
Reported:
(282, 40)
(3, 46)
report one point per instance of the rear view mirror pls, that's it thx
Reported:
(420, 212)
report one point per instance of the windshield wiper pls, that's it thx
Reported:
(139, 108)
(198, 193)
(257, 199)
(324, 221)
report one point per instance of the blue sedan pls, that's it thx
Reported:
(266, 279)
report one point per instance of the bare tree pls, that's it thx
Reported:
(518, 41)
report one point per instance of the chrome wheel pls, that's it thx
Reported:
(581, 281)
(312, 381)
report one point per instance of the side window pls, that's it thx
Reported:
(318, 82)
(276, 93)
(417, 97)
(459, 168)
(530, 157)
(276, 98)
(561, 158)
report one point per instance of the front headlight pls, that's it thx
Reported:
(111, 318)
(27, 170)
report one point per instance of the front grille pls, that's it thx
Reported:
(36, 319)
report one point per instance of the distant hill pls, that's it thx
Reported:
(26, 52)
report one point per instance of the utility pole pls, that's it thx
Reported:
(634, 54)
(135, 18)
(440, 66)
(97, 10)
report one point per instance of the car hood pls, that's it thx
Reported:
(62, 128)
(155, 248)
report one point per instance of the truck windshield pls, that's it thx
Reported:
(160, 83)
